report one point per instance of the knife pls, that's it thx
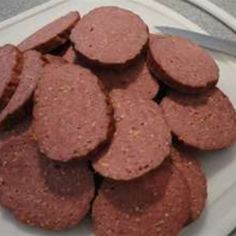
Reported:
(210, 42)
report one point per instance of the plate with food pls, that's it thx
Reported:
(110, 128)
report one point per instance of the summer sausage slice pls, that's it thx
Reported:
(136, 79)
(72, 116)
(196, 181)
(181, 64)
(30, 74)
(155, 204)
(141, 141)
(110, 36)
(10, 67)
(52, 35)
(40, 192)
(205, 122)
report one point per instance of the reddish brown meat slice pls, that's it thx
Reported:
(72, 116)
(155, 204)
(104, 38)
(29, 77)
(191, 170)
(40, 192)
(205, 122)
(136, 80)
(52, 35)
(10, 67)
(141, 141)
(181, 64)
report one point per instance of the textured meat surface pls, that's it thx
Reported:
(40, 192)
(141, 140)
(72, 116)
(196, 180)
(52, 35)
(104, 37)
(206, 121)
(30, 74)
(181, 64)
(155, 204)
(10, 67)
(135, 79)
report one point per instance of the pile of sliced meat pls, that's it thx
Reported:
(98, 114)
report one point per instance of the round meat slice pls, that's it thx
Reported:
(70, 55)
(181, 64)
(196, 181)
(155, 204)
(72, 116)
(103, 36)
(40, 192)
(136, 79)
(141, 141)
(205, 122)
(51, 59)
(30, 74)
(10, 67)
(52, 35)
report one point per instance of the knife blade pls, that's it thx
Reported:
(210, 42)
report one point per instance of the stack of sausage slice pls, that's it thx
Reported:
(80, 99)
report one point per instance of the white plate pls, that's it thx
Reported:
(219, 217)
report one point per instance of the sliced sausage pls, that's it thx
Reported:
(40, 192)
(29, 77)
(205, 122)
(10, 67)
(181, 64)
(196, 180)
(141, 141)
(135, 79)
(155, 204)
(72, 116)
(52, 35)
(110, 37)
